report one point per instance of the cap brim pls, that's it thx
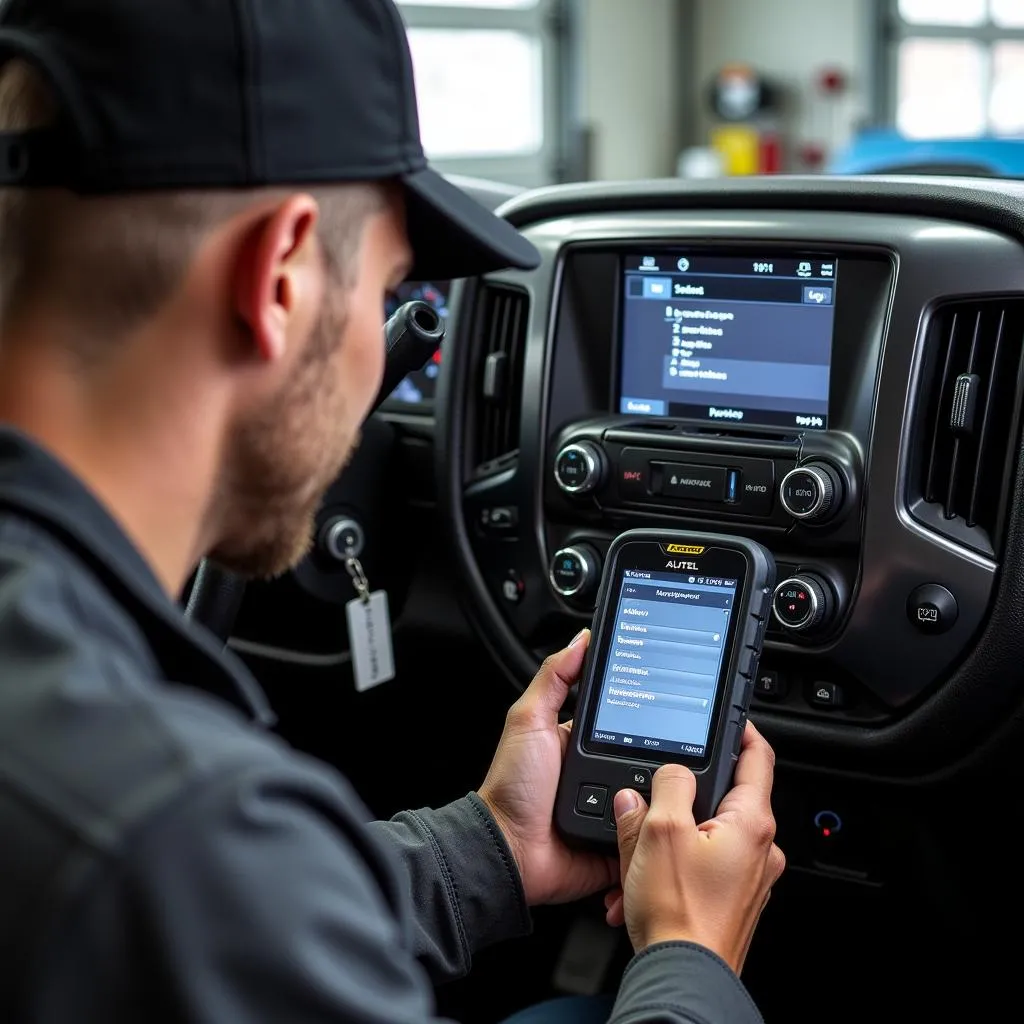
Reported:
(452, 235)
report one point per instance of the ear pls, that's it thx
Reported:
(280, 277)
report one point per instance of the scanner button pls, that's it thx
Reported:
(748, 690)
(638, 778)
(592, 800)
(738, 743)
(748, 662)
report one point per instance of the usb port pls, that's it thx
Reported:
(732, 485)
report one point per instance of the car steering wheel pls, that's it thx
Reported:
(412, 335)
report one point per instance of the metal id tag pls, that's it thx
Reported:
(369, 632)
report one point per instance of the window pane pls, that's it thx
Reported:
(941, 93)
(480, 91)
(943, 12)
(467, 3)
(1008, 13)
(1006, 108)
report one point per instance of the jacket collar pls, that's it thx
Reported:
(35, 486)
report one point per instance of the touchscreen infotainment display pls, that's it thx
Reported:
(669, 639)
(728, 339)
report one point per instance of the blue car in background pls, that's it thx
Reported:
(888, 152)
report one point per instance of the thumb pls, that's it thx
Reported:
(551, 685)
(630, 812)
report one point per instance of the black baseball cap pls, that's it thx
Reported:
(233, 94)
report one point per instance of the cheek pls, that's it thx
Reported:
(363, 351)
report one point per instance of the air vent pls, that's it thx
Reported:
(969, 425)
(501, 324)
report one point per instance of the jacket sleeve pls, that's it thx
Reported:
(263, 896)
(258, 897)
(463, 881)
(682, 983)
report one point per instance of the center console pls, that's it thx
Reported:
(730, 399)
(781, 376)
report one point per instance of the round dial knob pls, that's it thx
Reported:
(579, 467)
(811, 492)
(576, 571)
(802, 602)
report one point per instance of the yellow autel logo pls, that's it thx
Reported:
(685, 549)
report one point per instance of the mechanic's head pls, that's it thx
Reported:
(273, 297)
(196, 240)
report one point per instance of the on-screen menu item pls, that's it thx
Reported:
(662, 674)
(728, 339)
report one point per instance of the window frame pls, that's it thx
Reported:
(550, 21)
(893, 30)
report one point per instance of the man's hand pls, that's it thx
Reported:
(520, 788)
(699, 883)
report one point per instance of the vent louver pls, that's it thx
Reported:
(501, 321)
(967, 433)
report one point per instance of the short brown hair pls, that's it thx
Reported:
(112, 261)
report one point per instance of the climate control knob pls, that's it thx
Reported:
(803, 603)
(576, 572)
(812, 492)
(580, 467)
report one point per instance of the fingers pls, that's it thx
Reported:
(755, 770)
(673, 790)
(615, 909)
(749, 803)
(630, 812)
(547, 693)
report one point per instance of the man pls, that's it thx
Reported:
(205, 202)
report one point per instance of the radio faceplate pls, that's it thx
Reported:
(697, 482)
(775, 482)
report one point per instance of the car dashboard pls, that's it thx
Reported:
(885, 518)
(830, 366)
(841, 385)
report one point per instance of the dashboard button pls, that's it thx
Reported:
(757, 487)
(827, 695)
(579, 468)
(634, 474)
(592, 800)
(575, 571)
(802, 603)
(827, 824)
(639, 778)
(769, 685)
(500, 519)
(512, 587)
(690, 482)
(932, 609)
(811, 492)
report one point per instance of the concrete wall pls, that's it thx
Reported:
(630, 85)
